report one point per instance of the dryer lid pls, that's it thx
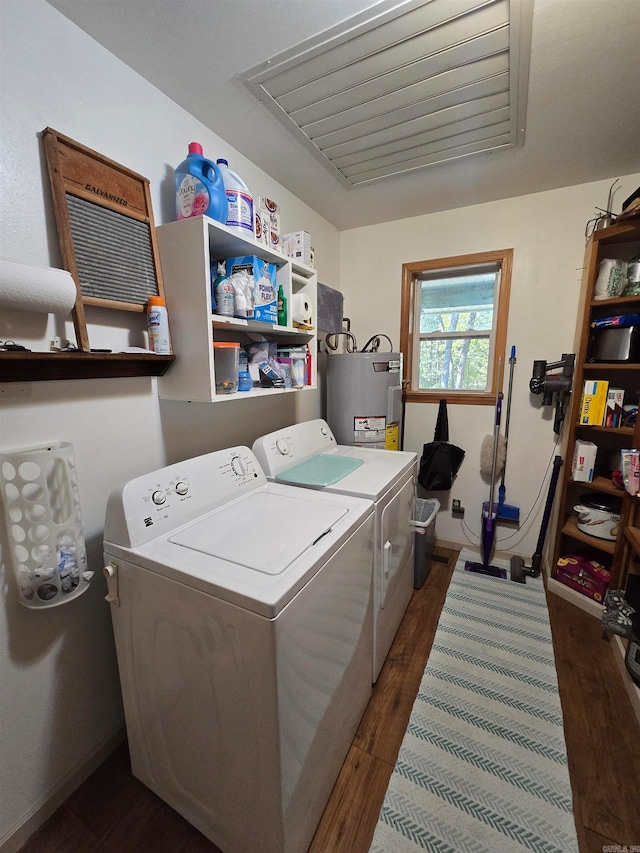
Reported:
(324, 469)
(265, 532)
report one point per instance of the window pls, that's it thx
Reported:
(453, 327)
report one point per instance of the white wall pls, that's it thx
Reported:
(60, 698)
(546, 232)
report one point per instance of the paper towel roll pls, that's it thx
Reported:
(300, 308)
(42, 289)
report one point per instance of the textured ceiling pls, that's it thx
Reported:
(582, 106)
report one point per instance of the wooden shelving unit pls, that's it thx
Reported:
(47, 366)
(620, 240)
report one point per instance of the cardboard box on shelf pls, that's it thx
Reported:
(267, 223)
(586, 576)
(594, 402)
(614, 411)
(584, 461)
(297, 245)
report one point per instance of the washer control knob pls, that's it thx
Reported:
(182, 488)
(324, 431)
(282, 446)
(239, 466)
(158, 497)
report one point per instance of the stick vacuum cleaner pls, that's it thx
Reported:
(518, 570)
(489, 514)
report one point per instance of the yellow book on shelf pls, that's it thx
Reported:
(594, 402)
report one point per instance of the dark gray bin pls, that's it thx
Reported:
(424, 525)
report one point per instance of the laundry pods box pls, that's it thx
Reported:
(265, 285)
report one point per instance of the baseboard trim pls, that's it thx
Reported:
(18, 835)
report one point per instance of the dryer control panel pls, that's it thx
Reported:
(161, 501)
(286, 447)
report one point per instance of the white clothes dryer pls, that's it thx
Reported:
(307, 455)
(242, 614)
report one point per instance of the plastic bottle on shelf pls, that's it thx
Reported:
(199, 187)
(224, 292)
(158, 326)
(239, 201)
(282, 307)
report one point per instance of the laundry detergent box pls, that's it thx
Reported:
(265, 285)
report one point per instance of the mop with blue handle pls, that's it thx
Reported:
(489, 513)
(507, 511)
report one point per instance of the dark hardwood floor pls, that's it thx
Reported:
(114, 813)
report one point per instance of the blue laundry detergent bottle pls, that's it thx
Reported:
(199, 187)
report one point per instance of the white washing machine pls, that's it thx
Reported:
(242, 613)
(307, 455)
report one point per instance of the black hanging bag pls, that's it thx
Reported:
(440, 460)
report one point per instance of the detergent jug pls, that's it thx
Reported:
(199, 187)
(239, 201)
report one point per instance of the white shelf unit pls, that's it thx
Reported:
(188, 248)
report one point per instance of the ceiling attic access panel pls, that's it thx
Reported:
(404, 85)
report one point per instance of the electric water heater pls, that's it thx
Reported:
(364, 398)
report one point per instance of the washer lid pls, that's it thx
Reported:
(324, 469)
(264, 531)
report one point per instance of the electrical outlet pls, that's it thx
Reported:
(457, 510)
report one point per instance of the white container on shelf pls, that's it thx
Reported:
(227, 365)
(239, 201)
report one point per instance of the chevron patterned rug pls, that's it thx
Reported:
(483, 764)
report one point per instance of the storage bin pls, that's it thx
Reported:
(227, 366)
(424, 525)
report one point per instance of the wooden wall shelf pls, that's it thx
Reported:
(46, 366)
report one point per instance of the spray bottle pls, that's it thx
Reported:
(224, 292)
(158, 326)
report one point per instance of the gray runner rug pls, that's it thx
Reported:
(483, 764)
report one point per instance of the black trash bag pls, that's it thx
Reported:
(440, 460)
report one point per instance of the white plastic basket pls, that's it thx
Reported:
(44, 524)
